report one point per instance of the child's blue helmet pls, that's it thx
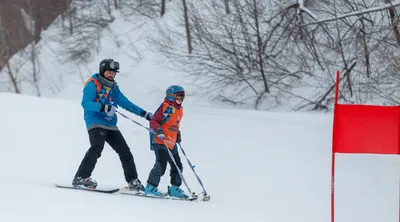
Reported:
(173, 91)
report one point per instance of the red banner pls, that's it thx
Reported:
(366, 129)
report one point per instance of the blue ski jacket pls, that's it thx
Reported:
(97, 92)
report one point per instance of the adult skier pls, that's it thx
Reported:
(101, 98)
(165, 122)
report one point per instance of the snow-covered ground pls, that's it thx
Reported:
(257, 166)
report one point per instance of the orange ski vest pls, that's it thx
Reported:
(170, 124)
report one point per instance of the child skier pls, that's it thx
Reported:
(165, 122)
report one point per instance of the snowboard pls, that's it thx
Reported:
(99, 190)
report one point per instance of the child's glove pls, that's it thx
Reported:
(178, 138)
(160, 134)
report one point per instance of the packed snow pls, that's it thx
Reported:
(257, 166)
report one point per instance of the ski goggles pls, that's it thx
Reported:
(113, 66)
(180, 96)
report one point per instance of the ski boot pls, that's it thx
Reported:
(87, 183)
(153, 191)
(175, 191)
(135, 185)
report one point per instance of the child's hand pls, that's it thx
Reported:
(160, 134)
(161, 137)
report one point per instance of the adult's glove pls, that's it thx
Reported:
(147, 115)
(108, 109)
(160, 134)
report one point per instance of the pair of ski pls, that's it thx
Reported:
(126, 191)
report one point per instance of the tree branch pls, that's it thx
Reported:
(357, 13)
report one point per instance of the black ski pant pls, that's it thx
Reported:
(98, 137)
(162, 158)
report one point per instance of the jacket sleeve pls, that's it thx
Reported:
(88, 98)
(128, 105)
(157, 118)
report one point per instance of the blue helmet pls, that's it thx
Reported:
(174, 90)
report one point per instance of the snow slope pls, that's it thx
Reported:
(257, 166)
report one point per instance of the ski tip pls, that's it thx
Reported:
(100, 190)
(58, 185)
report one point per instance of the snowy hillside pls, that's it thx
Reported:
(143, 73)
(257, 166)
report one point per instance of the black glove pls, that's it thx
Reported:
(178, 138)
(108, 109)
(146, 115)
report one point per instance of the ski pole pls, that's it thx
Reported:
(169, 152)
(125, 116)
(179, 170)
(191, 166)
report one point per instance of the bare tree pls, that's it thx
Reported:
(356, 39)
(238, 54)
(394, 21)
(11, 74)
(187, 26)
(142, 8)
(32, 75)
(43, 13)
(263, 54)
(227, 8)
(162, 7)
(85, 22)
(3, 42)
